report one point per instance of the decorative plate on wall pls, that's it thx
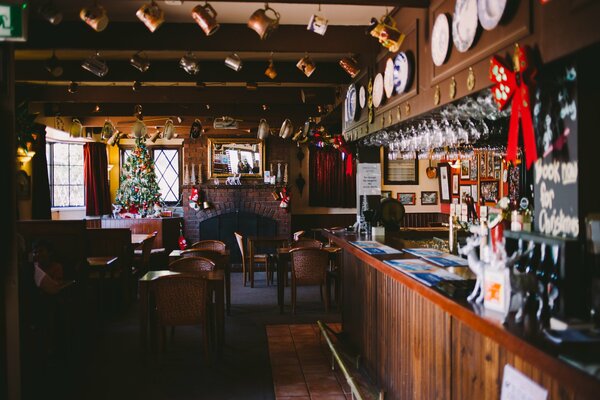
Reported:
(402, 72)
(464, 24)
(377, 90)
(388, 78)
(440, 39)
(490, 12)
(362, 97)
(350, 103)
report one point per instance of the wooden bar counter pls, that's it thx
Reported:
(420, 344)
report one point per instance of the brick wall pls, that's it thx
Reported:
(253, 196)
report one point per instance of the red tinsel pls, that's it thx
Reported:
(513, 87)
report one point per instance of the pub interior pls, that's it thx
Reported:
(306, 199)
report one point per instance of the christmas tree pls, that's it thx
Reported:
(138, 190)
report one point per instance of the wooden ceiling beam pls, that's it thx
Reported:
(75, 35)
(187, 95)
(170, 71)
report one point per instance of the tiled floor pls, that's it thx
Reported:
(301, 364)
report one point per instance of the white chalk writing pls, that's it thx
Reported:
(558, 224)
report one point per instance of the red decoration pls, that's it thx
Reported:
(285, 200)
(340, 143)
(513, 86)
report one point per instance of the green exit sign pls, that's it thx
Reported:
(13, 22)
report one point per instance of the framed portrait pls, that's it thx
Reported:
(464, 190)
(408, 199)
(23, 185)
(474, 193)
(465, 169)
(429, 198)
(400, 172)
(386, 194)
(488, 191)
(444, 181)
(490, 165)
(482, 165)
(455, 184)
(474, 168)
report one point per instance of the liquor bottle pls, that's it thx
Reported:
(543, 275)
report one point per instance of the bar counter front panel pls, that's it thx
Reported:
(419, 344)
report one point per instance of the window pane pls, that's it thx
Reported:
(77, 196)
(76, 175)
(166, 163)
(61, 196)
(61, 154)
(61, 175)
(76, 154)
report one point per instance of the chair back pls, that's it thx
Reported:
(144, 261)
(214, 245)
(305, 242)
(240, 241)
(309, 265)
(180, 300)
(192, 264)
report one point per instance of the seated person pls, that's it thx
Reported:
(48, 274)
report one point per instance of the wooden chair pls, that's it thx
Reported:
(309, 267)
(214, 245)
(263, 259)
(192, 264)
(182, 300)
(141, 262)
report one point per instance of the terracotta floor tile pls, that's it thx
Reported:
(291, 390)
(278, 330)
(327, 397)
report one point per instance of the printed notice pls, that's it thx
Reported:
(369, 179)
(516, 386)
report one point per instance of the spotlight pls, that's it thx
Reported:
(72, 88)
(265, 107)
(97, 108)
(50, 13)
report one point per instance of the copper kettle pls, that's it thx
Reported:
(261, 23)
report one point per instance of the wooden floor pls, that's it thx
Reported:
(301, 364)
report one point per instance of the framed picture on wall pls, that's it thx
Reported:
(474, 193)
(455, 184)
(429, 198)
(482, 164)
(408, 199)
(490, 165)
(464, 190)
(474, 168)
(465, 169)
(400, 172)
(444, 181)
(489, 190)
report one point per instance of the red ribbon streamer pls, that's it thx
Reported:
(512, 86)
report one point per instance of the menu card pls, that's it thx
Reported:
(374, 248)
(438, 257)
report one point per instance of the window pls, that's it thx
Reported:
(65, 174)
(166, 167)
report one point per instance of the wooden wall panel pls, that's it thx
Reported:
(478, 364)
(413, 342)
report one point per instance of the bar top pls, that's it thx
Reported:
(538, 351)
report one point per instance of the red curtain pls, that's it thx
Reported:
(95, 170)
(330, 185)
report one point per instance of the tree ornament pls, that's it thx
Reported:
(513, 86)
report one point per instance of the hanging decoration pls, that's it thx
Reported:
(514, 87)
(285, 199)
(181, 241)
(194, 199)
(300, 182)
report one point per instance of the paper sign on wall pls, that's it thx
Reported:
(369, 179)
(516, 386)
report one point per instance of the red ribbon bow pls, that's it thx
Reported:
(513, 86)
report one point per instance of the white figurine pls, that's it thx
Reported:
(116, 212)
(475, 265)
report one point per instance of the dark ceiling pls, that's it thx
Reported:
(166, 89)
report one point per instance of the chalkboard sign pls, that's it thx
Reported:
(555, 173)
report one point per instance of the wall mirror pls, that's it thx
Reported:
(229, 156)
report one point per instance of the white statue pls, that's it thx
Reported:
(475, 265)
(116, 212)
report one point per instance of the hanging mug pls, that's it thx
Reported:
(169, 129)
(190, 63)
(206, 17)
(76, 128)
(350, 65)
(271, 72)
(95, 65)
(151, 15)
(138, 129)
(263, 129)
(317, 25)
(262, 24)
(108, 129)
(306, 65)
(196, 129)
(234, 62)
(140, 62)
(286, 129)
(95, 16)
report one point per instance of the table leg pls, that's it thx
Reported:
(143, 292)
(281, 270)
